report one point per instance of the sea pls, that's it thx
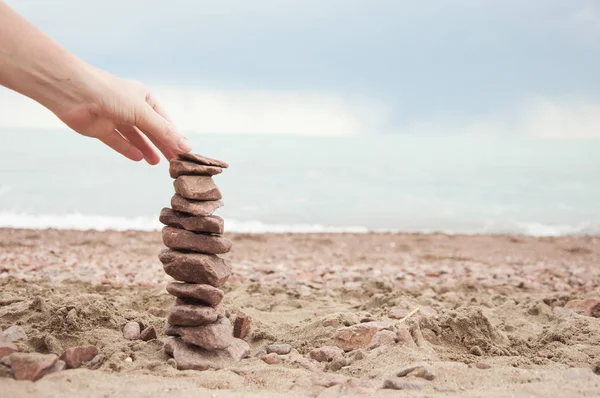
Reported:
(315, 183)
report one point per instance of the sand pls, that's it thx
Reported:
(495, 301)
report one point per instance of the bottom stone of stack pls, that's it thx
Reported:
(189, 357)
(216, 336)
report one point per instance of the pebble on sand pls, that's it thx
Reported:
(354, 337)
(7, 348)
(31, 366)
(326, 353)
(148, 334)
(279, 349)
(587, 307)
(270, 359)
(75, 356)
(131, 331)
(241, 325)
(14, 333)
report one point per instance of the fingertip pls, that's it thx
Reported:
(184, 145)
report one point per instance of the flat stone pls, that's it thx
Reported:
(14, 333)
(194, 157)
(192, 315)
(324, 379)
(216, 336)
(196, 267)
(148, 334)
(189, 357)
(587, 307)
(396, 383)
(383, 338)
(326, 353)
(202, 208)
(31, 366)
(131, 331)
(210, 224)
(75, 356)
(197, 188)
(279, 349)
(241, 325)
(7, 348)
(355, 336)
(178, 167)
(417, 371)
(180, 239)
(204, 293)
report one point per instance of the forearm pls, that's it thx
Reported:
(36, 66)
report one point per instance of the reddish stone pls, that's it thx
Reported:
(189, 357)
(75, 356)
(196, 267)
(241, 325)
(270, 359)
(382, 338)
(197, 188)
(403, 335)
(210, 224)
(202, 208)
(148, 334)
(216, 336)
(199, 159)
(587, 307)
(356, 336)
(31, 366)
(326, 353)
(178, 167)
(205, 293)
(180, 239)
(7, 348)
(192, 315)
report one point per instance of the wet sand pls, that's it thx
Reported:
(491, 318)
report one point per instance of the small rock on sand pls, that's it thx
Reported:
(587, 307)
(417, 371)
(270, 359)
(279, 349)
(356, 336)
(14, 333)
(131, 331)
(75, 356)
(396, 383)
(148, 334)
(7, 348)
(31, 366)
(383, 338)
(323, 379)
(241, 325)
(326, 353)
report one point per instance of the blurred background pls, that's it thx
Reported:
(335, 115)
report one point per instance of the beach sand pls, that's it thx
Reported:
(491, 321)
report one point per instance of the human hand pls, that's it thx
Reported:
(121, 113)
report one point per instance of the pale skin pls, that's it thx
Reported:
(121, 113)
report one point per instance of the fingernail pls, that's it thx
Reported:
(184, 145)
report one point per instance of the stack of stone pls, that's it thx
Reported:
(203, 335)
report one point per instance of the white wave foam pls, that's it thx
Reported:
(103, 223)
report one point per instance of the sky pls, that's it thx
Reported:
(341, 66)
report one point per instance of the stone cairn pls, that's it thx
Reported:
(202, 335)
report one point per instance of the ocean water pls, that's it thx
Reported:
(453, 184)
